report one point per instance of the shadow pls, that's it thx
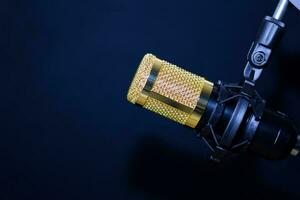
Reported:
(285, 93)
(288, 69)
(166, 173)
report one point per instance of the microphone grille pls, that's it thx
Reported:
(140, 78)
(169, 91)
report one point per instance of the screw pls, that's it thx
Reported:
(259, 58)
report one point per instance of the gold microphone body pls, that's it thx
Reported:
(170, 91)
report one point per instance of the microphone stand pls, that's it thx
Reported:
(268, 37)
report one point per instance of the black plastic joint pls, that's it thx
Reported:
(268, 37)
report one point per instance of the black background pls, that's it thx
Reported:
(67, 131)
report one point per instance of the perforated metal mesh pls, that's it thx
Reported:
(166, 110)
(140, 78)
(178, 85)
(176, 91)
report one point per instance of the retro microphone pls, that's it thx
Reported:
(231, 118)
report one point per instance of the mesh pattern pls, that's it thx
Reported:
(166, 110)
(178, 85)
(173, 83)
(140, 78)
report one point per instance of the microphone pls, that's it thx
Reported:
(231, 118)
(228, 118)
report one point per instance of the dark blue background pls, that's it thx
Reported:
(67, 131)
